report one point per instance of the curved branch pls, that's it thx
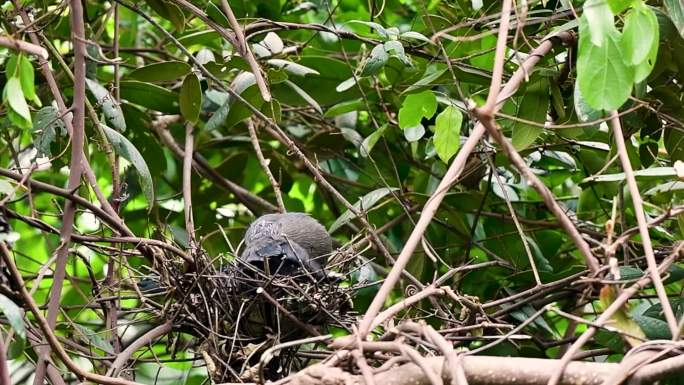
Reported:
(141, 341)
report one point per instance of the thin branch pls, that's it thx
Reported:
(144, 340)
(244, 50)
(638, 203)
(264, 165)
(187, 186)
(547, 196)
(499, 57)
(518, 226)
(4, 369)
(253, 202)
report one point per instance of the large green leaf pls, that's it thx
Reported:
(370, 141)
(190, 98)
(675, 9)
(600, 20)
(14, 315)
(46, 129)
(640, 34)
(378, 58)
(604, 78)
(674, 142)
(14, 95)
(169, 11)
(127, 150)
(150, 95)
(161, 72)
(649, 173)
(233, 111)
(533, 107)
(447, 137)
(27, 78)
(415, 107)
(344, 107)
(363, 205)
(110, 107)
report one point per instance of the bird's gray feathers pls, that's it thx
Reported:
(292, 237)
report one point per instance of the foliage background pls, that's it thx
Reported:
(378, 96)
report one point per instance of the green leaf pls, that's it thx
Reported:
(292, 68)
(15, 98)
(48, 125)
(653, 328)
(344, 107)
(674, 142)
(534, 106)
(378, 58)
(127, 150)
(161, 72)
(643, 69)
(11, 66)
(447, 137)
(362, 205)
(169, 11)
(617, 6)
(110, 107)
(273, 43)
(395, 48)
(14, 315)
(345, 85)
(640, 34)
(649, 173)
(150, 95)
(485, 58)
(583, 110)
(201, 38)
(311, 101)
(675, 9)
(190, 98)
(232, 111)
(415, 133)
(381, 30)
(26, 76)
(93, 338)
(370, 141)
(416, 36)
(666, 187)
(273, 110)
(6, 189)
(217, 15)
(604, 79)
(599, 17)
(415, 107)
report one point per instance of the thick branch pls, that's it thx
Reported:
(23, 46)
(75, 172)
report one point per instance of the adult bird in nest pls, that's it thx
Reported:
(287, 244)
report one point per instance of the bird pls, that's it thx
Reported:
(286, 244)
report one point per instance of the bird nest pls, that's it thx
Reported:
(237, 312)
